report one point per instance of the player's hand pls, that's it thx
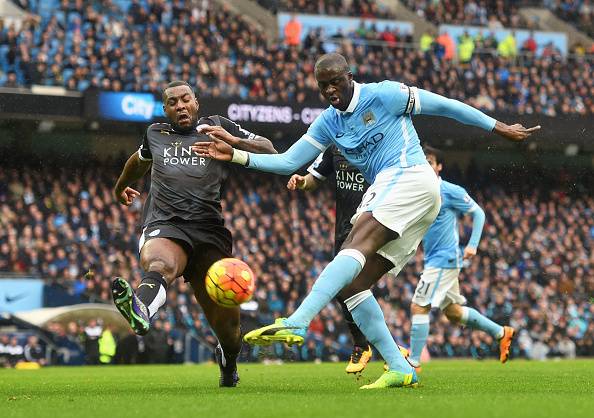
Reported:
(516, 132)
(296, 182)
(217, 149)
(469, 252)
(220, 133)
(127, 196)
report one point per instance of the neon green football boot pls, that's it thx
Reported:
(279, 332)
(394, 379)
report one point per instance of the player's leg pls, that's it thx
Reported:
(419, 332)
(367, 236)
(163, 260)
(472, 318)
(361, 353)
(223, 321)
(413, 220)
(431, 289)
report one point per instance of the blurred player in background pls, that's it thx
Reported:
(439, 286)
(183, 228)
(371, 125)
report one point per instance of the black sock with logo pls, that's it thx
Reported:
(152, 291)
(359, 339)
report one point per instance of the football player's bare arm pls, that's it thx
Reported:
(307, 182)
(257, 144)
(134, 169)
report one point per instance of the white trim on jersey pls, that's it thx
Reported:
(141, 157)
(312, 167)
(354, 100)
(406, 137)
(314, 142)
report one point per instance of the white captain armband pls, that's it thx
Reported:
(413, 106)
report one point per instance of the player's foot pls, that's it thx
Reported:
(229, 377)
(131, 308)
(394, 379)
(279, 332)
(359, 359)
(406, 354)
(505, 342)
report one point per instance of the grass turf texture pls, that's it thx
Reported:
(448, 389)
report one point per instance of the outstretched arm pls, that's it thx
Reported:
(428, 103)
(239, 138)
(300, 153)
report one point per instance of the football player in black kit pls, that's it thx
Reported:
(183, 229)
(350, 188)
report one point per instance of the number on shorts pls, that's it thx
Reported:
(423, 284)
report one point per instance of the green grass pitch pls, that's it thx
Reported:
(457, 389)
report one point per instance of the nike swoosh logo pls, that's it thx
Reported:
(340, 134)
(11, 299)
(273, 331)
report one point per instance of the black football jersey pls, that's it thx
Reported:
(350, 187)
(184, 185)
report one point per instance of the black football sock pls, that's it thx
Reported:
(152, 291)
(359, 339)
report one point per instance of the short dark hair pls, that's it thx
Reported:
(176, 83)
(429, 150)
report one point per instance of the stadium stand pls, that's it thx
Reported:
(580, 13)
(104, 48)
(534, 270)
(358, 8)
(492, 13)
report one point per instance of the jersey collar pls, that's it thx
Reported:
(354, 99)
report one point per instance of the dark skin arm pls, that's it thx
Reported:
(134, 170)
(258, 145)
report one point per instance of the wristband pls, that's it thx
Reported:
(240, 157)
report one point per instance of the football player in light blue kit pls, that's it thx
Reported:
(439, 286)
(371, 124)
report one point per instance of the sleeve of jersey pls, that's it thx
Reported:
(235, 129)
(144, 152)
(323, 166)
(398, 98)
(465, 204)
(427, 103)
(300, 153)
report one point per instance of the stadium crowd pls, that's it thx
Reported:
(358, 8)
(95, 45)
(495, 14)
(578, 12)
(534, 270)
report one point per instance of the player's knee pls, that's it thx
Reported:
(418, 309)
(166, 268)
(454, 313)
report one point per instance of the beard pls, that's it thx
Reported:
(185, 129)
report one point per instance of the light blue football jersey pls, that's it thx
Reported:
(441, 243)
(376, 130)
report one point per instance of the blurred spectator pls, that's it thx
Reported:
(157, 344)
(92, 333)
(15, 351)
(293, 31)
(107, 346)
(33, 351)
